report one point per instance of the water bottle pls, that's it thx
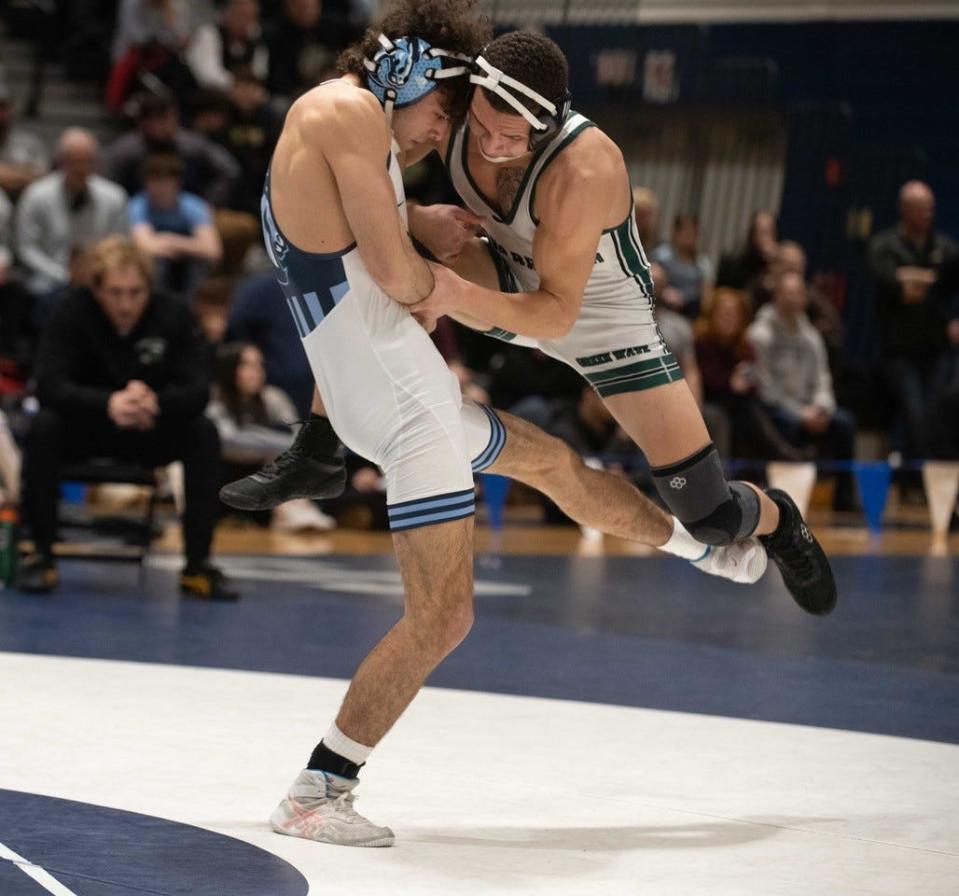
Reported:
(9, 546)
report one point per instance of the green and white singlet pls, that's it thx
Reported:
(615, 343)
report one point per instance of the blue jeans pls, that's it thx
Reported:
(910, 383)
(836, 443)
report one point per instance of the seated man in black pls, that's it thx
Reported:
(121, 373)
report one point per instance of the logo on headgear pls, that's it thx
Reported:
(397, 65)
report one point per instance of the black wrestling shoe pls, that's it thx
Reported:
(803, 563)
(310, 468)
(207, 583)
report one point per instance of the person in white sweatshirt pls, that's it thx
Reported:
(794, 379)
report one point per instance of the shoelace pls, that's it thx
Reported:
(797, 557)
(285, 460)
(344, 803)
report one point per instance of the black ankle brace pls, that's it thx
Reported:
(323, 759)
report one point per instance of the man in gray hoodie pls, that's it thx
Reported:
(794, 379)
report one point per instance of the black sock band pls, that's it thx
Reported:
(324, 759)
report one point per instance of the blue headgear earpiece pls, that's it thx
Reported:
(545, 124)
(406, 69)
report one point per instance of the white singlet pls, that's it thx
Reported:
(387, 391)
(615, 343)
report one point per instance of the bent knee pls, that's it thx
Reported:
(442, 631)
(734, 519)
(695, 490)
(546, 459)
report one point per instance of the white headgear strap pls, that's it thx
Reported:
(497, 82)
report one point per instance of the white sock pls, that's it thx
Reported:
(338, 742)
(682, 544)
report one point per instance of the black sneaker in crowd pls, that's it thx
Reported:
(310, 468)
(38, 575)
(803, 563)
(207, 583)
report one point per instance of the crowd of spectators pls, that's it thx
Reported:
(103, 250)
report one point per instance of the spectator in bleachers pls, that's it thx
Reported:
(67, 210)
(677, 331)
(740, 270)
(149, 40)
(258, 315)
(121, 373)
(906, 262)
(790, 258)
(729, 371)
(23, 155)
(646, 215)
(254, 422)
(690, 272)
(209, 170)
(144, 22)
(795, 383)
(235, 41)
(174, 227)
(211, 111)
(304, 43)
(245, 123)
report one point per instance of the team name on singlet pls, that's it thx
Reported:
(615, 355)
(516, 258)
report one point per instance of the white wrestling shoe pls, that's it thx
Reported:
(319, 807)
(743, 562)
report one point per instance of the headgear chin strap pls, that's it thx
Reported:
(546, 124)
(406, 69)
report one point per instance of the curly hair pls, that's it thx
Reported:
(532, 59)
(448, 24)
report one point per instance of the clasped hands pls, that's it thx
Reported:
(136, 406)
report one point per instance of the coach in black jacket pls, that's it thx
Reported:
(121, 372)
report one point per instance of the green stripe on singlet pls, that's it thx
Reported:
(630, 259)
(636, 377)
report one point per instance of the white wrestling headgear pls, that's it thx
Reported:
(546, 124)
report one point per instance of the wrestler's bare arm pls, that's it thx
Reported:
(574, 205)
(356, 145)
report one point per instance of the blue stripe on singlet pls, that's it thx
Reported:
(435, 509)
(313, 282)
(494, 447)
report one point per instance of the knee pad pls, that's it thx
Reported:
(695, 490)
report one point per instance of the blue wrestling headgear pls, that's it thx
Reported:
(407, 69)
